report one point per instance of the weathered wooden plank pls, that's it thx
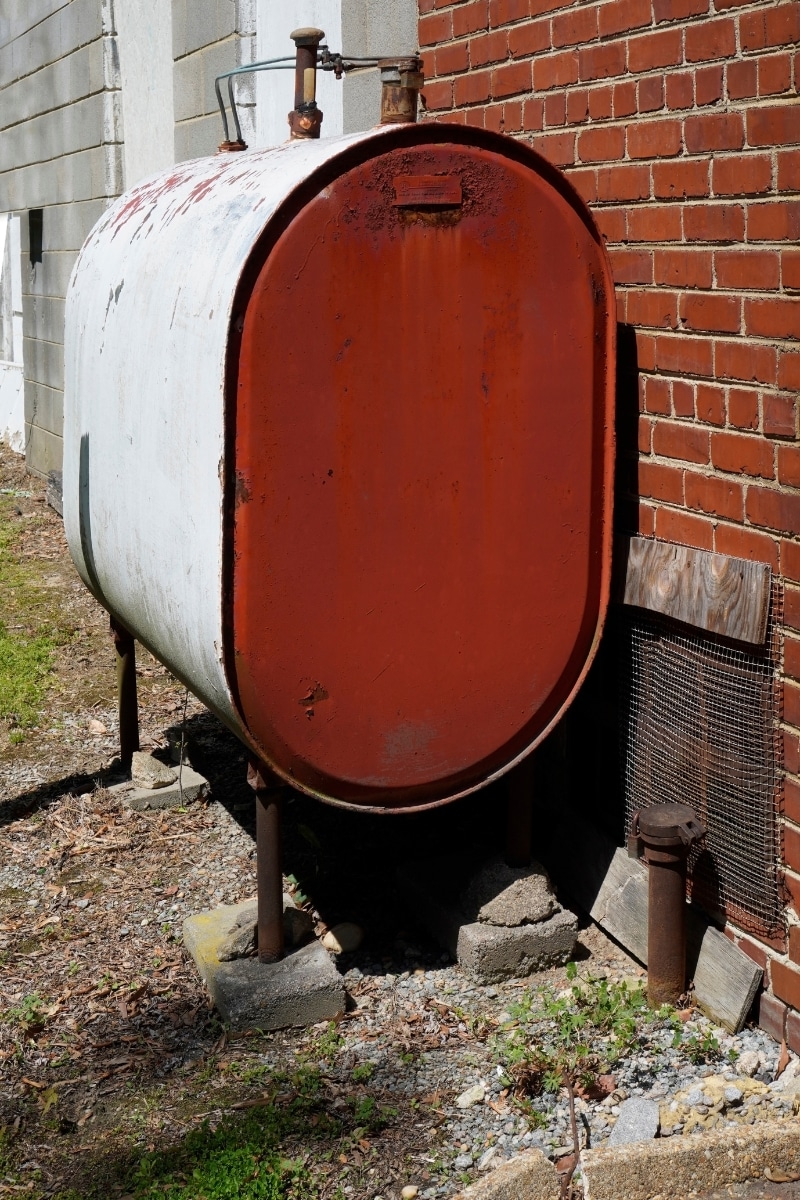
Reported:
(727, 596)
(725, 979)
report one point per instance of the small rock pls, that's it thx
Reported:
(343, 938)
(148, 772)
(463, 1162)
(81, 903)
(97, 727)
(733, 1095)
(473, 1095)
(488, 1158)
(240, 943)
(409, 1192)
(695, 1096)
(637, 1122)
(503, 895)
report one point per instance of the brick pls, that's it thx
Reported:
(586, 184)
(775, 25)
(791, 617)
(601, 62)
(688, 443)
(600, 103)
(531, 38)
(533, 113)
(714, 223)
(711, 39)
(624, 99)
(645, 435)
(503, 12)
(775, 317)
(685, 355)
(678, 10)
(791, 269)
(789, 171)
(742, 454)
(575, 26)
(661, 49)
(658, 482)
(791, 788)
(771, 509)
(631, 181)
(555, 109)
(774, 74)
(711, 312)
(658, 310)
(719, 497)
(710, 404)
(793, 1030)
(435, 27)
(613, 223)
(557, 148)
(684, 528)
(601, 145)
(708, 85)
(682, 398)
(645, 351)
(789, 371)
(792, 882)
(743, 408)
(747, 270)
(742, 175)
(630, 266)
(786, 979)
(577, 105)
(513, 78)
(790, 569)
(791, 752)
(474, 88)
(438, 94)
(654, 223)
(688, 177)
(556, 70)
(651, 94)
(774, 125)
(470, 18)
(624, 15)
(657, 396)
(451, 59)
(654, 139)
(680, 90)
(780, 415)
(512, 116)
(683, 268)
(714, 131)
(473, 117)
(774, 221)
(488, 48)
(646, 521)
(746, 543)
(757, 953)
(771, 1016)
(741, 79)
(493, 118)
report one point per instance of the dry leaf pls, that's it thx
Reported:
(776, 1175)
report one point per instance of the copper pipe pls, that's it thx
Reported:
(667, 832)
(127, 701)
(305, 119)
(269, 862)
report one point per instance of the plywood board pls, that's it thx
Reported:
(726, 596)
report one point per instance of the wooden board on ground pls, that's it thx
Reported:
(613, 889)
(725, 595)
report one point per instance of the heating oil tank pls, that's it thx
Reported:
(339, 449)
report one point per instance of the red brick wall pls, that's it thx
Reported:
(679, 122)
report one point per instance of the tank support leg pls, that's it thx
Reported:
(269, 861)
(126, 691)
(519, 790)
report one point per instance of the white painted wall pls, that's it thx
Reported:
(12, 397)
(144, 42)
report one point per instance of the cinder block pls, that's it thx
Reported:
(193, 139)
(44, 364)
(490, 952)
(190, 787)
(216, 59)
(187, 82)
(44, 407)
(44, 450)
(43, 317)
(303, 988)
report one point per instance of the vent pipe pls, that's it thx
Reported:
(401, 80)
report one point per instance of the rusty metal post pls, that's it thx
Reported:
(269, 861)
(128, 705)
(667, 832)
(401, 80)
(519, 819)
(305, 119)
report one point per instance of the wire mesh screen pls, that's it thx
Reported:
(701, 726)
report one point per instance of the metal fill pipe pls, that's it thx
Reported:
(128, 704)
(269, 862)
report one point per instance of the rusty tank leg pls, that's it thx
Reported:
(269, 861)
(519, 817)
(667, 832)
(125, 647)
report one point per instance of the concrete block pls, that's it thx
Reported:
(192, 786)
(529, 1176)
(303, 988)
(187, 82)
(44, 365)
(193, 139)
(44, 450)
(216, 59)
(493, 952)
(677, 1167)
(44, 407)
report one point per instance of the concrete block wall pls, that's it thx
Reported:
(207, 39)
(60, 151)
(678, 121)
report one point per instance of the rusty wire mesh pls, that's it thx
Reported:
(701, 726)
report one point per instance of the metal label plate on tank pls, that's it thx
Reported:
(423, 435)
(417, 190)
